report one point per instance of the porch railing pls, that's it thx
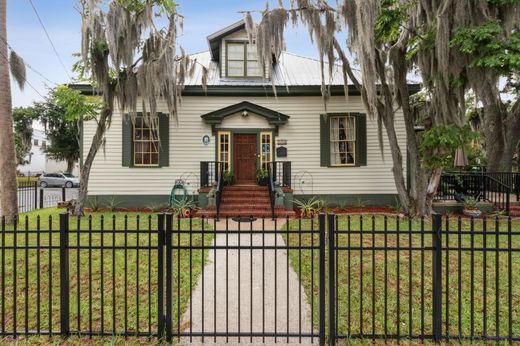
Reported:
(209, 173)
(494, 187)
(282, 173)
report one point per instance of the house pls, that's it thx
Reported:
(333, 153)
(37, 161)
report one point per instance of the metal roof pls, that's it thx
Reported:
(289, 70)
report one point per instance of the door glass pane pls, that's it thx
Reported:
(224, 154)
(266, 150)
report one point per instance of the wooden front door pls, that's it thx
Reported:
(245, 158)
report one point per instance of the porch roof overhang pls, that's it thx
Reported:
(272, 117)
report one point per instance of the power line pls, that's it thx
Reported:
(49, 38)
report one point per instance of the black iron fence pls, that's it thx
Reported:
(453, 279)
(260, 281)
(31, 196)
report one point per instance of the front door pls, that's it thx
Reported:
(245, 158)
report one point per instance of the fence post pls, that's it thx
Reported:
(169, 277)
(41, 198)
(63, 196)
(437, 276)
(332, 279)
(64, 274)
(160, 275)
(321, 227)
(35, 195)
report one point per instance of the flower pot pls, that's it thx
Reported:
(263, 181)
(472, 212)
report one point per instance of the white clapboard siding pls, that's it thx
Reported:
(302, 132)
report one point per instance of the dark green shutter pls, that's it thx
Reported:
(164, 134)
(361, 139)
(324, 141)
(128, 147)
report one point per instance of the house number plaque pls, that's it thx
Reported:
(281, 152)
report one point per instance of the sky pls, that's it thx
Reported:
(62, 21)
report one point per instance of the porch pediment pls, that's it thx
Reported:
(272, 117)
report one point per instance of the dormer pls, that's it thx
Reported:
(235, 55)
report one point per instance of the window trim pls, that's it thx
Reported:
(245, 75)
(158, 141)
(354, 164)
(228, 134)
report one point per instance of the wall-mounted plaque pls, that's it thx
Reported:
(281, 141)
(281, 152)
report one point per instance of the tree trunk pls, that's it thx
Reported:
(8, 186)
(397, 157)
(435, 179)
(97, 141)
(418, 177)
(70, 166)
(512, 137)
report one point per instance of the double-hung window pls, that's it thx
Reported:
(343, 140)
(146, 142)
(242, 60)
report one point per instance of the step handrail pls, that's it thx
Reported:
(270, 185)
(220, 186)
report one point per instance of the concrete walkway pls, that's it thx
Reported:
(248, 290)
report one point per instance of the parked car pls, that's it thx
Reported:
(58, 179)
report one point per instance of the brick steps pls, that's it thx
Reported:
(245, 201)
(279, 213)
(514, 209)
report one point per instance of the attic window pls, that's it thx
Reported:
(242, 60)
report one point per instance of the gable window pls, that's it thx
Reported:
(242, 60)
(343, 140)
(146, 143)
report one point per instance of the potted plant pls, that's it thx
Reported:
(308, 208)
(262, 177)
(471, 207)
(229, 178)
(183, 207)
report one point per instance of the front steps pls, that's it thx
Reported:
(246, 201)
(514, 209)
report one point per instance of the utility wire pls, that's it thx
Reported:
(50, 40)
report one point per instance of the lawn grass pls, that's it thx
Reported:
(120, 284)
(368, 304)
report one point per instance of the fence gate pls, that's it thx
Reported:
(248, 288)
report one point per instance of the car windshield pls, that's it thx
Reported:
(68, 175)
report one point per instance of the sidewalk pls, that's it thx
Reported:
(270, 295)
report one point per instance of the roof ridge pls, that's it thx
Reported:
(316, 60)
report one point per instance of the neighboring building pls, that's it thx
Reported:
(239, 121)
(37, 159)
